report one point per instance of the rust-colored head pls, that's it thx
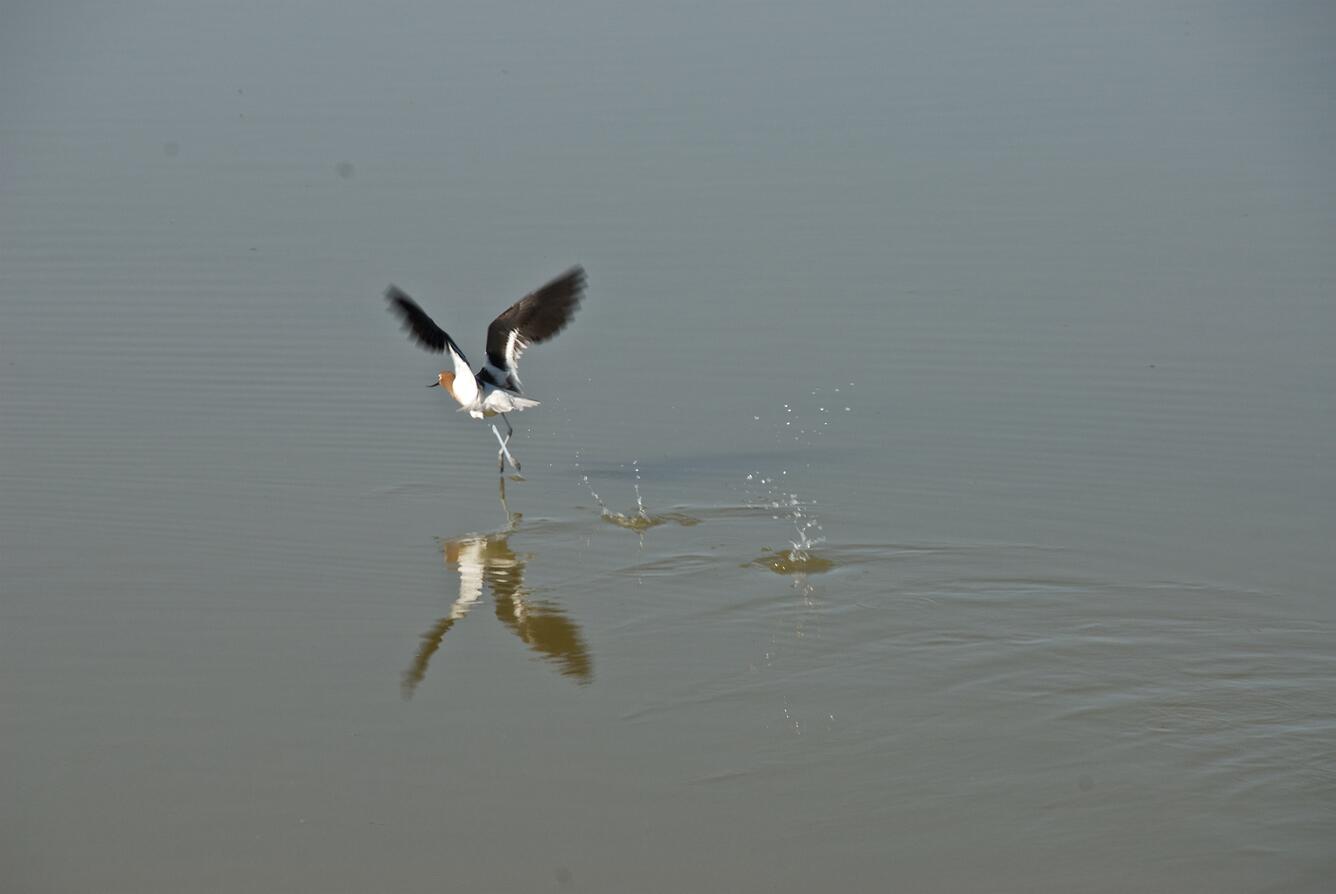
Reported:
(447, 381)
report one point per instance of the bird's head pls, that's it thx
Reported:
(446, 380)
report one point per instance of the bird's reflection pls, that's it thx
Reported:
(486, 561)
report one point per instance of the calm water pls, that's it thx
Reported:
(1025, 315)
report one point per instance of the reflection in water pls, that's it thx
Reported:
(486, 560)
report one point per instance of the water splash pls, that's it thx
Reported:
(640, 503)
(794, 562)
(603, 507)
(775, 493)
(790, 425)
(641, 520)
(800, 557)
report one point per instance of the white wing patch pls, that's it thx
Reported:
(515, 345)
(465, 385)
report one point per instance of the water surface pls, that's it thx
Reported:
(1019, 320)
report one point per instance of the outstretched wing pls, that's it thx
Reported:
(417, 324)
(534, 319)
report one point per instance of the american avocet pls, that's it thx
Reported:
(495, 389)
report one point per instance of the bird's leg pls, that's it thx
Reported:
(509, 432)
(500, 454)
(503, 454)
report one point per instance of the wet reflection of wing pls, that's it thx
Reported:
(431, 641)
(468, 554)
(546, 629)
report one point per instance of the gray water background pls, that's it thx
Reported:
(1069, 269)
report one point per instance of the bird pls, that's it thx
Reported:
(495, 389)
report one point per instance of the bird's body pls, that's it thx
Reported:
(495, 389)
(486, 399)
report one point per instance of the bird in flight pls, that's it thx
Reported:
(495, 389)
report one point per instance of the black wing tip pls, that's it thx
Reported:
(415, 321)
(577, 275)
(573, 277)
(571, 288)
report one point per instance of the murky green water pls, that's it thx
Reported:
(1018, 322)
